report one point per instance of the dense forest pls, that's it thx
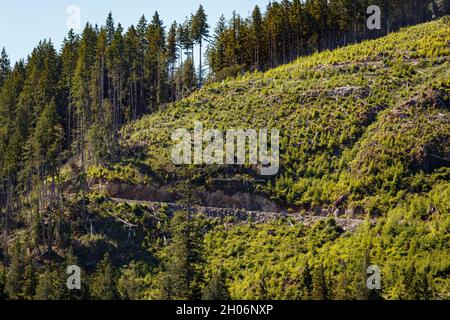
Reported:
(290, 29)
(73, 119)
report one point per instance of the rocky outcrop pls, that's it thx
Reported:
(219, 198)
(239, 200)
(139, 192)
(237, 216)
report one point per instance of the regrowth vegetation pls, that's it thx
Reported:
(364, 133)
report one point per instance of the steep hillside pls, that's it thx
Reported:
(364, 137)
(361, 128)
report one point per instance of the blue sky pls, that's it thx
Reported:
(23, 23)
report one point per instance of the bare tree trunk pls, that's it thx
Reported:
(50, 217)
(200, 80)
(7, 213)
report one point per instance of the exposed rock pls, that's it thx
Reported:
(358, 92)
(239, 216)
(140, 192)
(240, 200)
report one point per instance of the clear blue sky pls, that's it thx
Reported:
(23, 23)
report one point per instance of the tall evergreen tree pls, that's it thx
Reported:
(5, 66)
(141, 30)
(69, 57)
(102, 283)
(14, 275)
(110, 28)
(319, 284)
(49, 286)
(200, 32)
(216, 51)
(185, 37)
(181, 278)
(257, 30)
(29, 281)
(82, 99)
(47, 139)
(216, 288)
(156, 63)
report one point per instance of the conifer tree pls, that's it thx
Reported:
(141, 30)
(306, 283)
(216, 49)
(181, 279)
(200, 32)
(341, 290)
(5, 67)
(257, 29)
(155, 61)
(131, 283)
(319, 285)
(189, 78)
(47, 139)
(172, 56)
(110, 28)
(29, 281)
(69, 56)
(172, 47)
(49, 286)
(2, 281)
(216, 288)
(102, 283)
(14, 275)
(185, 37)
(81, 96)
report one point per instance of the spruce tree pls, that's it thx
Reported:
(217, 47)
(172, 56)
(102, 285)
(257, 29)
(47, 139)
(69, 56)
(200, 32)
(306, 283)
(110, 28)
(181, 278)
(341, 289)
(5, 67)
(29, 281)
(141, 30)
(319, 285)
(2, 281)
(131, 283)
(216, 288)
(155, 62)
(14, 275)
(189, 78)
(49, 286)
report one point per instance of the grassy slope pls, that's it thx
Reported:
(363, 123)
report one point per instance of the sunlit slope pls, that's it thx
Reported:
(361, 127)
